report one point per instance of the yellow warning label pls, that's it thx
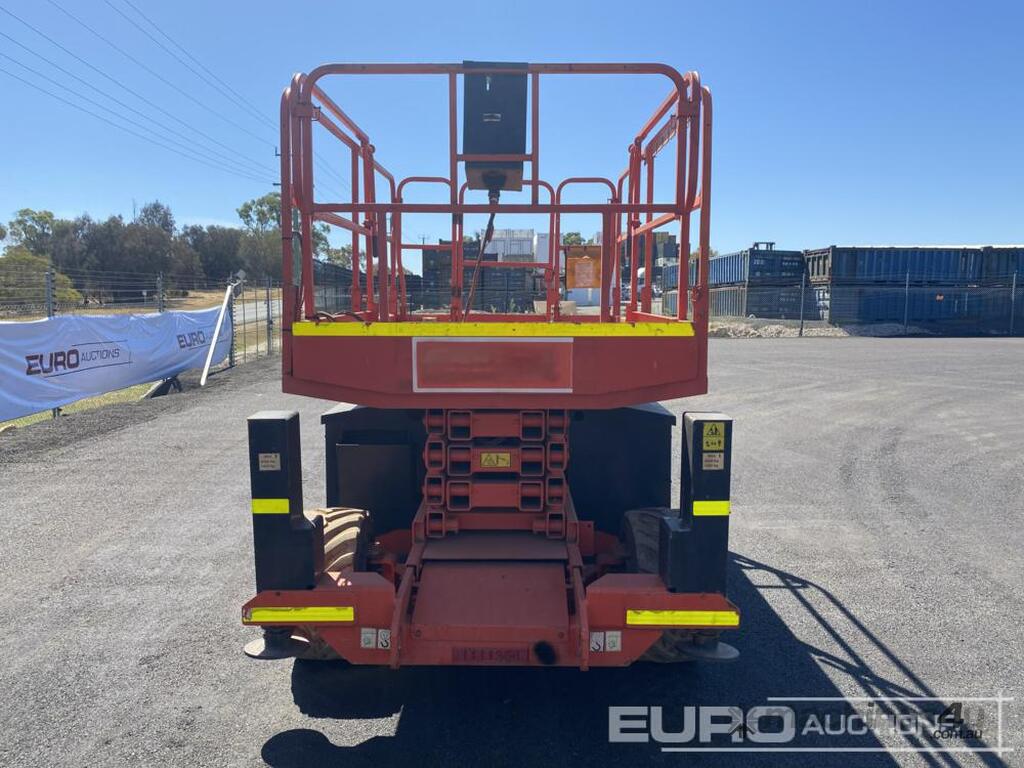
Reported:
(495, 460)
(714, 436)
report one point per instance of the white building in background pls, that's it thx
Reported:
(540, 247)
(512, 244)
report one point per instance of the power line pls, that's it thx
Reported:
(155, 74)
(142, 136)
(211, 162)
(133, 92)
(239, 99)
(130, 121)
(191, 147)
(165, 80)
(231, 92)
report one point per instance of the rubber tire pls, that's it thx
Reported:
(640, 532)
(348, 535)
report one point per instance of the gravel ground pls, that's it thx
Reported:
(877, 551)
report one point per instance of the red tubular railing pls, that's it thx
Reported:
(685, 114)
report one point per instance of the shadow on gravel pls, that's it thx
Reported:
(475, 716)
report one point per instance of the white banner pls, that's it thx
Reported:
(49, 363)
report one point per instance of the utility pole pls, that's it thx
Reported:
(160, 304)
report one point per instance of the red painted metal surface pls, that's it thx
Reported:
(492, 603)
(496, 568)
(332, 367)
(470, 365)
(606, 373)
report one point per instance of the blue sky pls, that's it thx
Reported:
(848, 122)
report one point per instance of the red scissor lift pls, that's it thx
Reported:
(500, 492)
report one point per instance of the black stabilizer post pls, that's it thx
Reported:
(694, 547)
(288, 547)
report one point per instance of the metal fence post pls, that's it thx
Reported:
(160, 304)
(1013, 301)
(54, 412)
(49, 292)
(256, 312)
(803, 286)
(245, 329)
(270, 320)
(906, 305)
(234, 330)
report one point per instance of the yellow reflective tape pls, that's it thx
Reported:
(309, 614)
(270, 506)
(683, 618)
(492, 330)
(710, 508)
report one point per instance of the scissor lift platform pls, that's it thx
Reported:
(458, 530)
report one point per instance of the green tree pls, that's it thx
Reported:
(23, 279)
(3, 232)
(217, 248)
(341, 256)
(68, 251)
(572, 238)
(33, 230)
(262, 213)
(696, 253)
(261, 254)
(145, 248)
(261, 217)
(186, 267)
(156, 215)
(104, 246)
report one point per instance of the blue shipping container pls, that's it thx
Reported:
(890, 304)
(894, 263)
(670, 277)
(1002, 261)
(756, 265)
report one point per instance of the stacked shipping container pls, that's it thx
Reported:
(500, 289)
(759, 281)
(967, 288)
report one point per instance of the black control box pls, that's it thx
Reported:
(494, 123)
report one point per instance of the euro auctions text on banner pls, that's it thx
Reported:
(49, 363)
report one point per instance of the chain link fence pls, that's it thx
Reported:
(991, 307)
(255, 307)
(256, 304)
(256, 317)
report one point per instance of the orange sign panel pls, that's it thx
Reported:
(583, 266)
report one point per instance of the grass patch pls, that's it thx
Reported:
(126, 395)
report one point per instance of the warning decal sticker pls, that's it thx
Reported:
(495, 460)
(714, 436)
(713, 461)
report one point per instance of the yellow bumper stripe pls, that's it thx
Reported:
(312, 614)
(683, 618)
(710, 508)
(493, 330)
(270, 506)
